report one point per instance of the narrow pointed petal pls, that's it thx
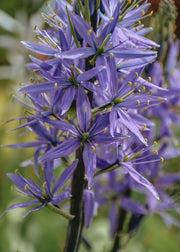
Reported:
(78, 53)
(60, 197)
(88, 75)
(83, 110)
(126, 120)
(99, 124)
(48, 176)
(89, 200)
(65, 176)
(20, 205)
(133, 206)
(34, 209)
(140, 179)
(106, 138)
(89, 158)
(62, 150)
(40, 48)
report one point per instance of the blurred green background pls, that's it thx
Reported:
(43, 230)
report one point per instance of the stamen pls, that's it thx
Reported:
(85, 109)
(130, 83)
(93, 148)
(67, 134)
(150, 92)
(156, 152)
(105, 130)
(44, 184)
(111, 55)
(35, 27)
(149, 79)
(20, 83)
(42, 14)
(143, 12)
(146, 139)
(58, 10)
(148, 102)
(111, 19)
(144, 88)
(16, 171)
(138, 102)
(55, 85)
(162, 159)
(155, 143)
(144, 127)
(26, 187)
(89, 31)
(68, 117)
(136, 74)
(53, 16)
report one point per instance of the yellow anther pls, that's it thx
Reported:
(37, 36)
(34, 71)
(135, 84)
(150, 92)
(144, 127)
(136, 28)
(149, 79)
(89, 31)
(42, 14)
(55, 85)
(49, 17)
(43, 185)
(136, 74)
(68, 117)
(155, 143)
(58, 10)
(26, 187)
(137, 6)
(148, 102)
(59, 22)
(35, 27)
(105, 130)
(129, 1)
(104, 111)
(16, 171)
(139, 91)
(47, 4)
(85, 109)
(130, 83)
(12, 188)
(67, 134)
(150, 14)
(53, 16)
(55, 46)
(111, 55)
(44, 20)
(146, 139)
(111, 19)
(144, 88)
(20, 83)
(143, 12)
(139, 22)
(156, 152)
(138, 102)
(25, 95)
(162, 159)
(94, 149)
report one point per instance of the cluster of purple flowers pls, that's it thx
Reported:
(90, 108)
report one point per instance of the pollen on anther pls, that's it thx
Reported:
(148, 102)
(93, 148)
(59, 22)
(144, 127)
(25, 95)
(150, 92)
(143, 12)
(16, 171)
(155, 143)
(58, 10)
(67, 134)
(42, 14)
(146, 140)
(47, 4)
(156, 152)
(149, 79)
(89, 31)
(139, 22)
(35, 27)
(34, 71)
(162, 159)
(26, 187)
(55, 85)
(136, 74)
(105, 130)
(85, 109)
(111, 55)
(144, 88)
(135, 84)
(53, 16)
(44, 184)
(138, 102)
(111, 19)
(55, 46)
(130, 83)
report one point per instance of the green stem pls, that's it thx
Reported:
(77, 207)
